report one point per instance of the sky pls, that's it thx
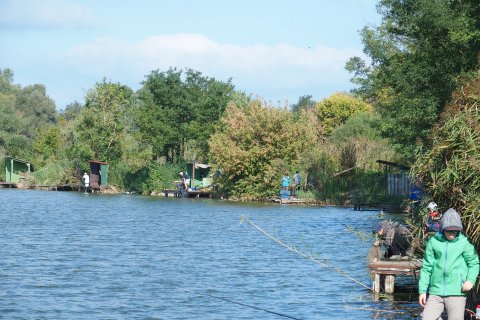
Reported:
(276, 50)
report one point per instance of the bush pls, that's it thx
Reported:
(146, 180)
(60, 172)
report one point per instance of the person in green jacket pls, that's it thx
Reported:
(450, 268)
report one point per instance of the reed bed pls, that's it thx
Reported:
(450, 168)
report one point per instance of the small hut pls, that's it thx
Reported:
(199, 175)
(98, 174)
(398, 181)
(14, 168)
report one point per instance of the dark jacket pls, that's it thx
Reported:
(390, 228)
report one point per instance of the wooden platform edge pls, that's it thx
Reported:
(389, 269)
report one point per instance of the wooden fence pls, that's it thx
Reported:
(398, 184)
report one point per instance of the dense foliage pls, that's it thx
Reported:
(338, 108)
(175, 113)
(23, 111)
(256, 144)
(416, 54)
(169, 119)
(146, 136)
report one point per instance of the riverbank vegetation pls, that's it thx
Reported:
(424, 80)
(148, 135)
(415, 103)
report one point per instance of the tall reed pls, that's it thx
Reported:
(450, 168)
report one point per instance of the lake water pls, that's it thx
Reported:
(69, 255)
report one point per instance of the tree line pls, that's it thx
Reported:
(422, 56)
(178, 116)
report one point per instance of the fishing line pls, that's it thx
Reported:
(239, 303)
(308, 256)
(250, 306)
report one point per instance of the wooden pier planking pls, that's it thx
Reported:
(375, 207)
(8, 185)
(199, 194)
(288, 200)
(189, 194)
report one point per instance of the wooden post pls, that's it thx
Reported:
(389, 283)
(376, 282)
(192, 180)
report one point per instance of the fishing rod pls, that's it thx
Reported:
(305, 255)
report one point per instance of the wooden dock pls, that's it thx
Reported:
(187, 194)
(199, 194)
(8, 185)
(59, 187)
(291, 200)
(387, 270)
(375, 207)
(46, 187)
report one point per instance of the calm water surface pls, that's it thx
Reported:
(68, 255)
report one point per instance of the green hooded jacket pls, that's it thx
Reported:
(448, 264)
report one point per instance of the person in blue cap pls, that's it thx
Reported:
(394, 236)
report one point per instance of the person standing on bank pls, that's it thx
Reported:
(449, 270)
(297, 179)
(86, 181)
(286, 181)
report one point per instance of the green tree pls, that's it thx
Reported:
(71, 111)
(416, 53)
(23, 111)
(101, 125)
(36, 108)
(6, 81)
(363, 124)
(207, 99)
(338, 108)
(10, 124)
(174, 111)
(105, 130)
(48, 144)
(304, 102)
(161, 112)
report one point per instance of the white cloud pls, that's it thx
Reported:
(280, 63)
(46, 13)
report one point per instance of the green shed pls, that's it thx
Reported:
(98, 174)
(14, 168)
(199, 175)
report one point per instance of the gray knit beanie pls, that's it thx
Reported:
(451, 221)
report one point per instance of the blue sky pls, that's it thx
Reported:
(278, 50)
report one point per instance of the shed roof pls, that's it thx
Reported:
(99, 162)
(18, 160)
(394, 164)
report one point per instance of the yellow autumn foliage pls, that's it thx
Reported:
(256, 144)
